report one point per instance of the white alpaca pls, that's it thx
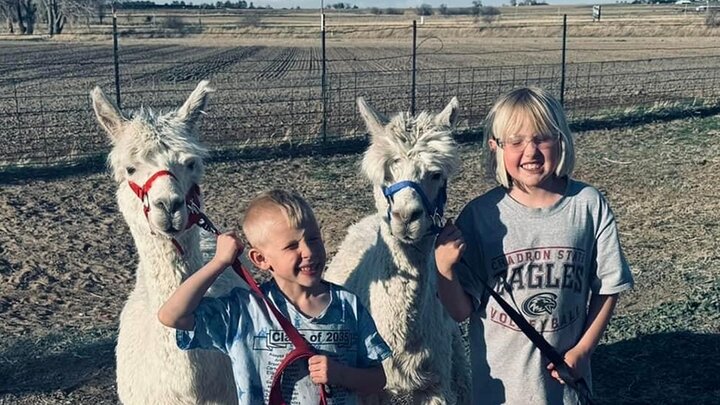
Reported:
(384, 258)
(150, 367)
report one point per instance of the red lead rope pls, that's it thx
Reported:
(303, 349)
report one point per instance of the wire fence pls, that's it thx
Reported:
(290, 97)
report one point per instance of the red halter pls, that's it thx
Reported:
(142, 192)
(192, 196)
(303, 349)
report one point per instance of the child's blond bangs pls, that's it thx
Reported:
(296, 210)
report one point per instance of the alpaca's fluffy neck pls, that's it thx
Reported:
(411, 260)
(161, 267)
(411, 296)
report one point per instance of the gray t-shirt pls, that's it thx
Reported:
(241, 326)
(551, 259)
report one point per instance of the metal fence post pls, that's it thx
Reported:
(444, 87)
(292, 111)
(458, 85)
(562, 67)
(355, 94)
(414, 61)
(115, 55)
(44, 127)
(323, 79)
(339, 93)
(472, 96)
(429, 91)
(17, 109)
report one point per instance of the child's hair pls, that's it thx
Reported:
(545, 113)
(297, 212)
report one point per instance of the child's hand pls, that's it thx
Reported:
(577, 360)
(449, 247)
(228, 247)
(324, 370)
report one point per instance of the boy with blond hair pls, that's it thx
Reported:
(285, 240)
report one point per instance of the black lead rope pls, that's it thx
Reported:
(579, 385)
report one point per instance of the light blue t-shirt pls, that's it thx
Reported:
(241, 326)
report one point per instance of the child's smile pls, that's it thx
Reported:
(311, 270)
(531, 167)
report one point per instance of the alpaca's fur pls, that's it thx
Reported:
(386, 261)
(150, 367)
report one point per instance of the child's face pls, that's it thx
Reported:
(531, 157)
(296, 256)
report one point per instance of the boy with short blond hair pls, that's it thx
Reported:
(285, 240)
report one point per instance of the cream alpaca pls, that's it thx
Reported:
(150, 367)
(384, 258)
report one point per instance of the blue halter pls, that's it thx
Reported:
(434, 211)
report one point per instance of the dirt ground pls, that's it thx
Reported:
(67, 261)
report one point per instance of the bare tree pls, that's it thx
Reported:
(476, 5)
(424, 9)
(489, 13)
(100, 9)
(19, 14)
(55, 17)
(26, 12)
(58, 12)
(6, 12)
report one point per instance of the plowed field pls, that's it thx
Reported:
(269, 92)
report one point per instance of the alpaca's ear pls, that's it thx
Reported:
(374, 121)
(448, 117)
(195, 104)
(107, 113)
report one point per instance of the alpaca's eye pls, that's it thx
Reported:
(390, 168)
(190, 165)
(388, 176)
(436, 176)
(130, 170)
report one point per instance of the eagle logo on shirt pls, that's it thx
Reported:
(540, 303)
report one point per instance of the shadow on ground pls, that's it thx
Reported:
(666, 368)
(54, 363)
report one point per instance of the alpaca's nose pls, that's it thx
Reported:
(170, 206)
(408, 216)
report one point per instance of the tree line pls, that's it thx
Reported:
(22, 16)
